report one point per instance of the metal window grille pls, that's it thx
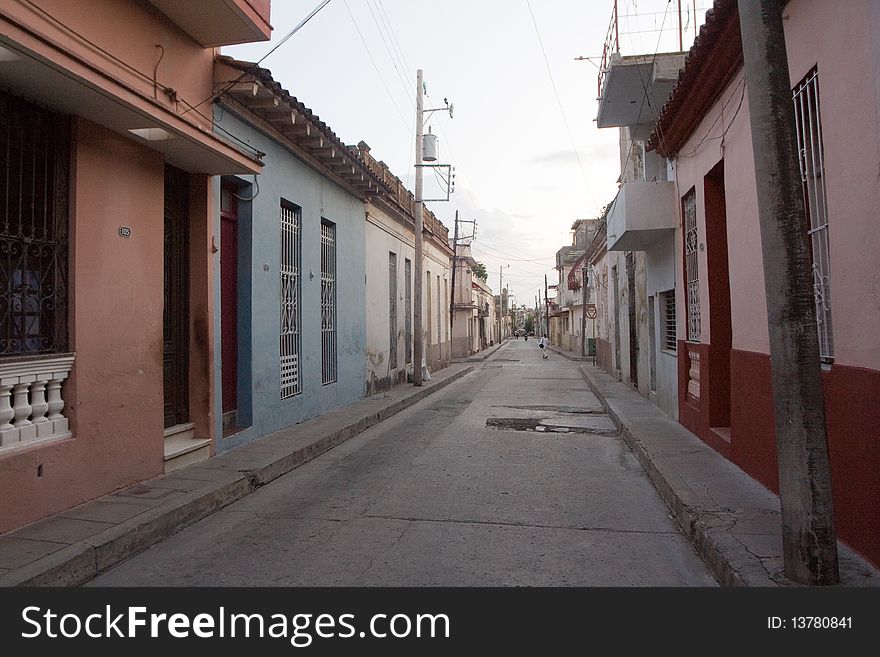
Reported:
(407, 295)
(392, 310)
(328, 302)
(691, 265)
(291, 311)
(34, 164)
(667, 310)
(808, 126)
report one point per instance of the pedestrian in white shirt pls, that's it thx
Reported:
(543, 343)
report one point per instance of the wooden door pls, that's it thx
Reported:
(633, 323)
(229, 299)
(176, 297)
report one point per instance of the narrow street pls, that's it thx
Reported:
(510, 476)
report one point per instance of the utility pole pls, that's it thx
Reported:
(419, 219)
(546, 306)
(584, 312)
(809, 541)
(500, 302)
(454, 267)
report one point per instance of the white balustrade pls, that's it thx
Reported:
(31, 404)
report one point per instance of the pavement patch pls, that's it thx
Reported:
(546, 425)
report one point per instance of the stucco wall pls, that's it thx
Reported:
(385, 235)
(285, 176)
(697, 157)
(660, 267)
(130, 32)
(849, 92)
(114, 396)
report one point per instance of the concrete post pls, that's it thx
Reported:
(418, 265)
(808, 535)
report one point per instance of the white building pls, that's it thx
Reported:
(390, 258)
(474, 323)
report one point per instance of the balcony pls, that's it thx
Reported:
(642, 213)
(219, 22)
(634, 88)
(31, 402)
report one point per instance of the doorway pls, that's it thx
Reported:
(721, 334)
(615, 286)
(229, 304)
(633, 324)
(175, 318)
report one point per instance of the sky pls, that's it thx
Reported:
(528, 157)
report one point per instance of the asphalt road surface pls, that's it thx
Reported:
(510, 476)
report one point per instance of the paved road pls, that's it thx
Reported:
(511, 476)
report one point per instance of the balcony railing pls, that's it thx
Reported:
(31, 404)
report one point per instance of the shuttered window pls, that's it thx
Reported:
(667, 321)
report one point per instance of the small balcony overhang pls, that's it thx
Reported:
(642, 213)
(62, 83)
(635, 88)
(219, 22)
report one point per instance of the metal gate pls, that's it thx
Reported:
(291, 314)
(328, 302)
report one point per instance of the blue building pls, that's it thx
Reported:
(291, 290)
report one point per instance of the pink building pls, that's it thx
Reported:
(723, 347)
(107, 234)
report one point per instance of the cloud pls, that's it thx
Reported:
(554, 158)
(566, 157)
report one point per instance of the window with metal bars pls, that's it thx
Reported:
(392, 310)
(34, 166)
(808, 126)
(291, 312)
(407, 309)
(328, 302)
(691, 265)
(667, 321)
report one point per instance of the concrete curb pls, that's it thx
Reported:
(227, 478)
(727, 555)
(689, 521)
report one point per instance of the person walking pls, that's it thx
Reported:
(543, 344)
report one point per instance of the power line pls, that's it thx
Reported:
(378, 72)
(511, 255)
(559, 102)
(391, 55)
(394, 40)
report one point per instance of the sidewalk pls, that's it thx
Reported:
(570, 355)
(73, 546)
(480, 356)
(732, 520)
